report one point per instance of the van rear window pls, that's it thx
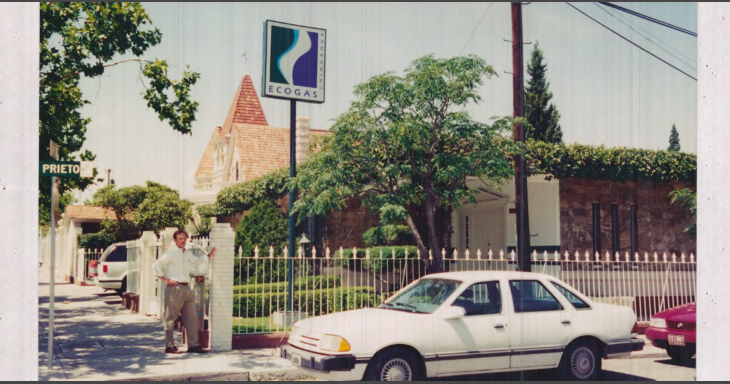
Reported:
(119, 254)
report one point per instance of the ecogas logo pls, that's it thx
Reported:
(294, 62)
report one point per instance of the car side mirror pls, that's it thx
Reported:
(453, 313)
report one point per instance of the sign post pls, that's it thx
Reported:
(294, 70)
(55, 169)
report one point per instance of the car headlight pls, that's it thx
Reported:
(333, 343)
(658, 323)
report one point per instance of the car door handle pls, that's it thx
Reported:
(565, 322)
(498, 326)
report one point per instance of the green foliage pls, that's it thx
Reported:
(82, 40)
(381, 258)
(332, 300)
(685, 197)
(674, 140)
(562, 161)
(541, 114)
(386, 235)
(264, 226)
(152, 207)
(408, 141)
(243, 196)
(99, 240)
(203, 225)
(300, 283)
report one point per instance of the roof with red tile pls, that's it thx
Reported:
(205, 167)
(89, 212)
(246, 108)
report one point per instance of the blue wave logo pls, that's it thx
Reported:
(293, 57)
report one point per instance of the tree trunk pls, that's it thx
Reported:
(433, 240)
(448, 228)
(417, 237)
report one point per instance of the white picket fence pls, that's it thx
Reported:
(333, 282)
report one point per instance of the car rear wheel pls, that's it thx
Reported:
(681, 355)
(394, 365)
(581, 361)
(123, 289)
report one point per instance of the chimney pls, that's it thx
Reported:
(302, 138)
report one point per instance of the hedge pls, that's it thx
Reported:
(375, 263)
(264, 304)
(308, 283)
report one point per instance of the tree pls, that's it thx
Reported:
(685, 197)
(264, 226)
(539, 112)
(83, 40)
(152, 207)
(674, 140)
(409, 141)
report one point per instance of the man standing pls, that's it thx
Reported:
(173, 268)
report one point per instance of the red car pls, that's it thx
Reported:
(675, 331)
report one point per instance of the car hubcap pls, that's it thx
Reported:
(583, 363)
(396, 370)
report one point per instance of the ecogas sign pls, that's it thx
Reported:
(294, 62)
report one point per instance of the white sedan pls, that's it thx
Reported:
(459, 323)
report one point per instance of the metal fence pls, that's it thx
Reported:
(342, 281)
(90, 254)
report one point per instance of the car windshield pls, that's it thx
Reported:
(425, 296)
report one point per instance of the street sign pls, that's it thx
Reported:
(294, 62)
(60, 169)
(87, 169)
(54, 150)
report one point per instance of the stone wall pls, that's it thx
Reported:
(660, 224)
(344, 228)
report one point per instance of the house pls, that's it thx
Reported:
(564, 215)
(76, 220)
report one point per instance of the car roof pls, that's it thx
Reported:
(472, 276)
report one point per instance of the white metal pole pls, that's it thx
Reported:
(53, 276)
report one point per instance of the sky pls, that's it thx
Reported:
(607, 91)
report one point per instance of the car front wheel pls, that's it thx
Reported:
(681, 355)
(581, 362)
(394, 365)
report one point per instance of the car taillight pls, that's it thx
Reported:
(105, 268)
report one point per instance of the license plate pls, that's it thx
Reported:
(677, 340)
(296, 360)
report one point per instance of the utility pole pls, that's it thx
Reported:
(518, 86)
(108, 176)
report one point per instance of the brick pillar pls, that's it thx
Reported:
(148, 281)
(221, 288)
(80, 276)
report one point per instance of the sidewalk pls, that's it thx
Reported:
(98, 339)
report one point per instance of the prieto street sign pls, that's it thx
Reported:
(61, 169)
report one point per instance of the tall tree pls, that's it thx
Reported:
(539, 111)
(82, 40)
(674, 140)
(409, 141)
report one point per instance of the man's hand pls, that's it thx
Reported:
(171, 283)
(212, 252)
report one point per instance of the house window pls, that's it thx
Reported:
(466, 231)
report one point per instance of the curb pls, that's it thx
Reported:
(290, 374)
(229, 376)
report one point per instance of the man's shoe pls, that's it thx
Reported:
(173, 350)
(197, 349)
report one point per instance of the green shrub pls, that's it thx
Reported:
(387, 235)
(99, 240)
(308, 283)
(264, 226)
(315, 302)
(377, 262)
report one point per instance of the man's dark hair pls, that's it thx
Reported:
(179, 231)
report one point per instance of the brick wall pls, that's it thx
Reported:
(345, 228)
(221, 288)
(660, 224)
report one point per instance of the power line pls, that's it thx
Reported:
(475, 28)
(648, 18)
(683, 59)
(632, 43)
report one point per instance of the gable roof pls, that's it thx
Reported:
(81, 212)
(205, 167)
(245, 108)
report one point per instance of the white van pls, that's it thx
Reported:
(112, 269)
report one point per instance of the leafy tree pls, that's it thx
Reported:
(82, 40)
(152, 207)
(539, 112)
(685, 197)
(409, 141)
(674, 140)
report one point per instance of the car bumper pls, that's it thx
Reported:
(659, 336)
(623, 348)
(107, 284)
(341, 367)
